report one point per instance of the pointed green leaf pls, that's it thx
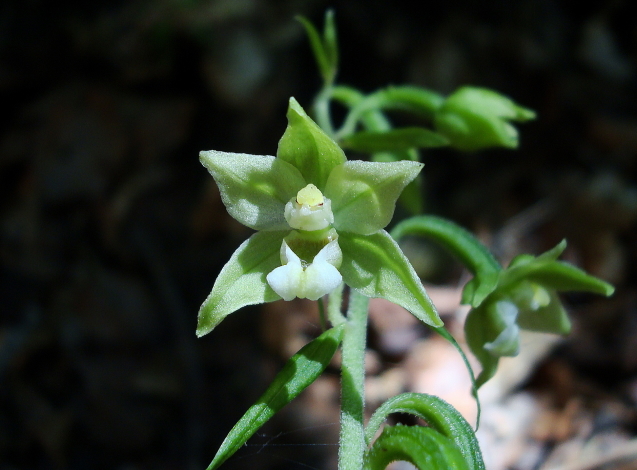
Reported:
(242, 280)
(421, 446)
(330, 44)
(364, 194)
(375, 266)
(393, 140)
(305, 146)
(439, 415)
(463, 245)
(323, 60)
(300, 371)
(254, 188)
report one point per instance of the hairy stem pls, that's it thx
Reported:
(352, 440)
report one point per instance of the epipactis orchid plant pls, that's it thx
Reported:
(320, 221)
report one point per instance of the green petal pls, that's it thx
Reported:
(254, 188)
(305, 146)
(242, 280)
(375, 266)
(364, 194)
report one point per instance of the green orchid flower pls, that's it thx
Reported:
(525, 297)
(319, 220)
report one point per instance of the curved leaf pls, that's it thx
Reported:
(421, 446)
(242, 280)
(463, 245)
(375, 266)
(300, 371)
(439, 415)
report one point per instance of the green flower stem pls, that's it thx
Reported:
(322, 110)
(352, 440)
(334, 314)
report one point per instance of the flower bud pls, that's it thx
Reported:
(477, 118)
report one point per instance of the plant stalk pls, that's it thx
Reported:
(352, 439)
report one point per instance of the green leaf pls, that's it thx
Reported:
(463, 245)
(300, 371)
(364, 194)
(394, 140)
(330, 44)
(375, 266)
(254, 188)
(305, 146)
(439, 415)
(323, 60)
(423, 447)
(242, 280)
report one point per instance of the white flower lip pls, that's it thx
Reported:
(310, 210)
(313, 282)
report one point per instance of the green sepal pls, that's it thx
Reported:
(305, 146)
(242, 281)
(254, 188)
(421, 446)
(439, 415)
(364, 194)
(325, 48)
(563, 276)
(300, 371)
(477, 118)
(464, 246)
(551, 318)
(375, 266)
(393, 140)
(478, 331)
(552, 274)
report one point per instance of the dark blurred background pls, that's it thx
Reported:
(112, 233)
